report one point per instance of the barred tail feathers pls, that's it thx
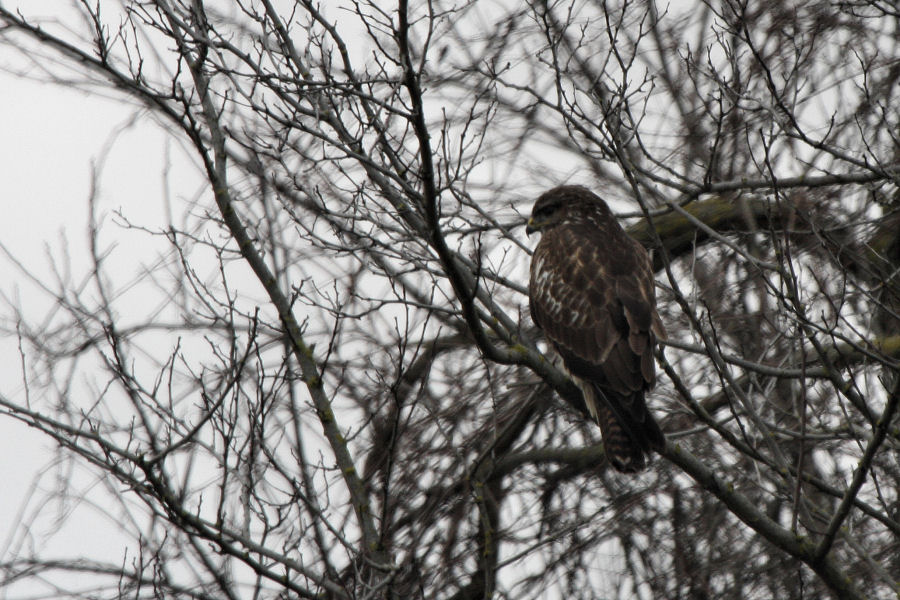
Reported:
(629, 431)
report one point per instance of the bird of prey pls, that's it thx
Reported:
(591, 292)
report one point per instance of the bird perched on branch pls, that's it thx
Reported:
(591, 292)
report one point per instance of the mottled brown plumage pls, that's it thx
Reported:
(591, 291)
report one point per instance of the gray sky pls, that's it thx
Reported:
(54, 139)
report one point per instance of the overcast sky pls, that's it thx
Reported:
(54, 139)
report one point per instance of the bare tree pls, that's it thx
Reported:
(341, 394)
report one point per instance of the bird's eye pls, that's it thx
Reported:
(546, 210)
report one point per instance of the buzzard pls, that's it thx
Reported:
(591, 292)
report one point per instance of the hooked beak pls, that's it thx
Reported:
(531, 227)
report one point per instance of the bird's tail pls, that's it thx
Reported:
(628, 435)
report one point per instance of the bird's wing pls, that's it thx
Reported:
(591, 291)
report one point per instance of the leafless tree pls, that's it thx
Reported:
(340, 393)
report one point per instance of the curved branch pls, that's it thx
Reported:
(217, 173)
(797, 546)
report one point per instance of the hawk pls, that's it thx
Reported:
(591, 292)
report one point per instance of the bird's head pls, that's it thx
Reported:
(564, 204)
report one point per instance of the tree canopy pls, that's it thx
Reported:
(324, 381)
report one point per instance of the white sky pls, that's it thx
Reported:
(52, 140)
